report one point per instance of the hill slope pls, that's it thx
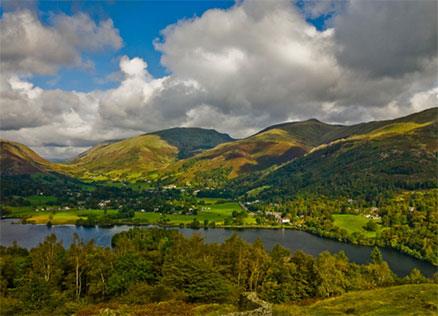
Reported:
(256, 153)
(289, 158)
(140, 157)
(18, 159)
(376, 156)
(299, 143)
(413, 299)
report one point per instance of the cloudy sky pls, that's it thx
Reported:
(75, 74)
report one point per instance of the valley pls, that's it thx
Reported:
(367, 184)
(321, 186)
(218, 158)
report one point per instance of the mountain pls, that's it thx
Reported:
(281, 160)
(261, 153)
(18, 159)
(192, 140)
(369, 158)
(311, 132)
(200, 157)
(140, 157)
(216, 166)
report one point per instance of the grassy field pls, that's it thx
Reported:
(353, 224)
(421, 299)
(216, 210)
(60, 217)
(213, 211)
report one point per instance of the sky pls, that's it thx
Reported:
(74, 74)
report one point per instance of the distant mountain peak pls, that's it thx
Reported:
(192, 140)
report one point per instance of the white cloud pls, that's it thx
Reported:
(236, 70)
(31, 47)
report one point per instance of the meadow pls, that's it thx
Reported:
(412, 299)
(353, 224)
(210, 209)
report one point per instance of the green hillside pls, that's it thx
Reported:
(311, 132)
(140, 157)
(398, 154)
(317, 155)
(267, 149)
(411, 299)
(284, 159)
(132, 158)
(227, 161)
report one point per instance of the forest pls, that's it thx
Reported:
(146, 266)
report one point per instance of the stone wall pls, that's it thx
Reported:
(262, 308)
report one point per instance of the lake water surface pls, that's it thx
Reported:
(29, 236)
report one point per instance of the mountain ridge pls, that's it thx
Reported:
(204, 157)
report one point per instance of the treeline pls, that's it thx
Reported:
(156, 265)
(406, 221)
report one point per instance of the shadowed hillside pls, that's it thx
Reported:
(192, 140)
(18, 159)
(397, 154)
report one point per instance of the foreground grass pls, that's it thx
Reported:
(413, 299)
(353, 224)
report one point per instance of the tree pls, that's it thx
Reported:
(371, 226)
(331, 271)
(128, 269)
(199, 279)
(376, 255)
(77, 259)
(101, 266)
(258, 265)
(234, 255)
(415, 276)
(48, 259)
(379, 274)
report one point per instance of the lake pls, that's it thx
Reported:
(29, 236)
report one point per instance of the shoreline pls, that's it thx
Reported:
(226, 227)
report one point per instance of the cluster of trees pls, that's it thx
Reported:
(155, 265)
(407, 221)
(410, 224)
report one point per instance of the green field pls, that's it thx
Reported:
(421, 299)
(216, 210)
(353, 224)
(56, 217)
(211, 212)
